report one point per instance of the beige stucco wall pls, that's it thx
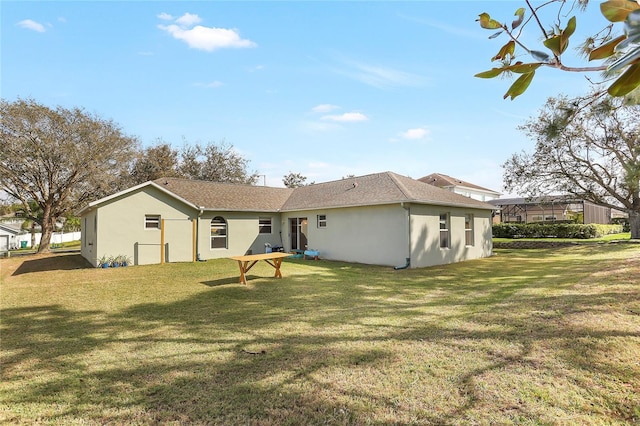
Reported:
(425, 233)
(380, 234)
(88, 236)
(121, 228)
(374, 235)
(242, 234)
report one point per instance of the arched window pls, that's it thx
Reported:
(218, 232)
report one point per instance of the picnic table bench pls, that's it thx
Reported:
(246, 262)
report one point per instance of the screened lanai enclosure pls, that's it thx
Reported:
(551, 209)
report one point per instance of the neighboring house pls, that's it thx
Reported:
(382, 218)
(460, 187)
(9, 236)
(550, 209)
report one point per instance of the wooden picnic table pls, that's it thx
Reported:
(246, 262)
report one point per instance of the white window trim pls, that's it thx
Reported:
(152, 216)
(447, 229)
(471, 228)
(226, 235)
(320, 221)
(270, 225)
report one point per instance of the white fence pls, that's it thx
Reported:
(56, 238)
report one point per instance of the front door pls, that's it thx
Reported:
(298, 228)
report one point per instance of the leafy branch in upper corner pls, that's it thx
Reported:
(620, 55)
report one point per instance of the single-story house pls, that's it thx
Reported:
(382, 218)
(9, 236)
(460, 186)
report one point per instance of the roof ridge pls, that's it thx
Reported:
(160, 179)
(405, 191)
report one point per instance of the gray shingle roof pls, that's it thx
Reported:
(443, 181)
(227, 196)
(374, 189)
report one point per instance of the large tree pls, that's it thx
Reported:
(590, 151)
(294, 180)
(211, 161)
(616, 54)
(159, 160)
(59, 159)
(217, 162)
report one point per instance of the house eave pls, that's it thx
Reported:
(94, 204)
(387, 203)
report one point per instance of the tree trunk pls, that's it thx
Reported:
(634, 223)
(47, 232)
(48, 226)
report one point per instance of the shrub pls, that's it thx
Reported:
(624, 221)
(554, 230)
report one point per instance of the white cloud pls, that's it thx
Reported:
(347, 117)
(379, 76)
(188, 20)
(461, 31)
(203, 38)
(165, 16)
(414, 134)
(324, 108)
(32, 25)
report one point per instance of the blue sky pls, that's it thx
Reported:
(325, 89)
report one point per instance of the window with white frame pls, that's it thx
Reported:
(152, 221)
(322, 221)
(265, 225)
(444, 230)
(218, 233)
(468, 229)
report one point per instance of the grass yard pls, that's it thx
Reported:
(547, 336)
(623, 236)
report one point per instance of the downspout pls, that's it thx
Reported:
(407, 207)
(200, 211)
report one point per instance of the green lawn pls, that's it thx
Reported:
(547, 336)
(624, 236)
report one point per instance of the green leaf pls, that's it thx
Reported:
(617, 10)
(519, 86)
(606, 49)
(559, 43)
(506, 50)
(571, 27)
(493, 72)
(488, 23)
(521, 68)
(626, 82)
(520, 14)
(554, 44)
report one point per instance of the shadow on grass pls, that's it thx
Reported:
(325, 335)
(53, 263)
(232, 280)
